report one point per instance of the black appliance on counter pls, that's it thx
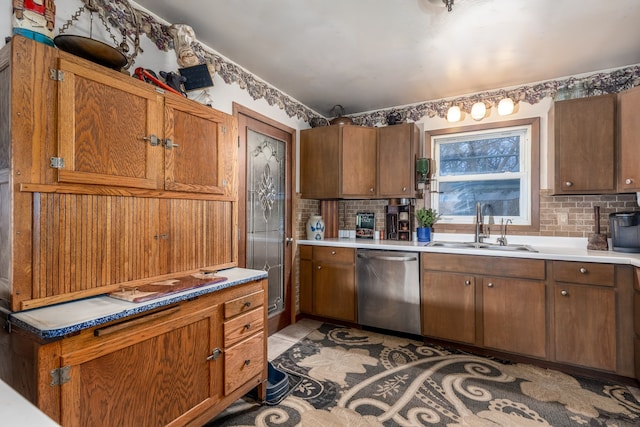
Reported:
(399, 222)
(625, 231)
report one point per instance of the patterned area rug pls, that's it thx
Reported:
(351, 377)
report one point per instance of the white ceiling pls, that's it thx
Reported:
(374, 54)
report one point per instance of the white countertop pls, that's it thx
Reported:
(61, 319)
(17, 411)
(552, 248)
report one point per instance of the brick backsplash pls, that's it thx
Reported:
(579, 210)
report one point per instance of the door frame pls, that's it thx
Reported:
(287, 317)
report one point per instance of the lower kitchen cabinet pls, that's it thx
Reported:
(328, 282)
(181, 364)
(485, 301)
(636, 320)
(592, 315)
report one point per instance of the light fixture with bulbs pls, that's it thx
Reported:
(479, 109)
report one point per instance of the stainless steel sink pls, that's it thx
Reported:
(489, 246)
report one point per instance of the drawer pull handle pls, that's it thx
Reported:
(333, 252)
(564, 293)
(583, 270)
(467, 282)
(215, 353)
(628, 181)
(489, 285)
(568, 183)
(247, 304)
(133, 322)
(247, 326)
(247, 362)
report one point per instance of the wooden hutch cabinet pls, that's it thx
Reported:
(107, 181)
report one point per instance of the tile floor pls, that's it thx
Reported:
(281, 341)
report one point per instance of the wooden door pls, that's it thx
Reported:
(448, 306)
(104, 122)
(334, 290)
(514, 315)
(320, 163)
(358, 162)
(144, 375)
(585, 145)
(585, 326)
(397, 153)
(194, 139)
(629, 149)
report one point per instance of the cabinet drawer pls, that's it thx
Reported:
(333, 254)
(242, 327)
(242, 362)
(494, 266)
(243, 304)
(306, 252)
(584, 272)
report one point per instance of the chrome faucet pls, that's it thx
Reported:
(502, 240)
(480, 234)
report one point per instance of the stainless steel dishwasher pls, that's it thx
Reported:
(388, 286)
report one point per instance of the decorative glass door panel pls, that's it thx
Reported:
(266, 196)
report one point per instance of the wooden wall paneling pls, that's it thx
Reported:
(329, 212)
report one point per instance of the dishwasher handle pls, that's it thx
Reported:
(389, 258)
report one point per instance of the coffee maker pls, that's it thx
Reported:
(625, 231)
(399, 220)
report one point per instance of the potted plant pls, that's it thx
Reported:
(426, 217)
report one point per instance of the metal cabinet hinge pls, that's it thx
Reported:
(60, 376)
(223, 128)
(215, 353)
(56, 75)
(56, 162)
(169, 144)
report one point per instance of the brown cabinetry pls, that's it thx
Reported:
(481, 300)
(591, 315)
(582, 145)
(327, 282)
(636, 320)
(338, 162)
(112, 181)
(628, 148)
(179, 364)
(398, 147)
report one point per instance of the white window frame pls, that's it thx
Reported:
(525, 174)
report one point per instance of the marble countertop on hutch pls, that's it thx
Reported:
(59, 320)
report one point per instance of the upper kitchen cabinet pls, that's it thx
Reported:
(397, 153)
(118, 131)
(108, 128)
(582, 145)
(338, 162)
(628, 148)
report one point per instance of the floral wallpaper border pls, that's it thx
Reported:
(611, 82)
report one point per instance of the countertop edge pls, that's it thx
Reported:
(29, 319)
(559, 253)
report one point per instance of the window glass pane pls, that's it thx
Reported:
(498, 197)
(480, 155)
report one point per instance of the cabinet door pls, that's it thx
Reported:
(585, 326)
(194, 234)
(514, 315)
(148, 376)
(102, 123)
(629, 150)
(194, 157)
(397, 152)
(306, 284)
(358, 162)
(448, 306)
(585, 145)
(320, 163)
(334, 291)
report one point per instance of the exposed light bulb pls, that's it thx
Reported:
(454, 114)
(478, 111)
(505, 106)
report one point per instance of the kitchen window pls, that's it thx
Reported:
(496, 165)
